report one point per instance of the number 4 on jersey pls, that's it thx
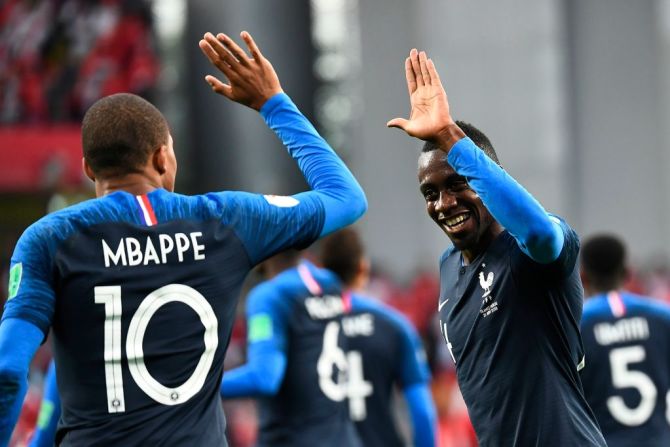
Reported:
(349, 365)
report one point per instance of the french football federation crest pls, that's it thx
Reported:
(486, 283)
(489, 305)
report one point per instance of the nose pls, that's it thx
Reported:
(445, 202)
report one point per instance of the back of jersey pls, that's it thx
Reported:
(383, 351)
(141, 293)
(626, 378)
(310, 407)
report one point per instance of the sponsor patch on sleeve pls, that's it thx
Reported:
(260, 328)
(281, 201)
(15, 274)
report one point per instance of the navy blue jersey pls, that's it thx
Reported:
(512, 328)
(627, 374)
(299, 312)
(384, 350)
(141, 294)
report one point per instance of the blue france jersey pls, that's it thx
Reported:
(141, 294)
(300, 311)
(512, 328)
(627, 374)
(384, 350)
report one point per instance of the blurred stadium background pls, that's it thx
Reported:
(574, 94)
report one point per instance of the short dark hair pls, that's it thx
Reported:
(477, 136)
(119, 132)
(603, 261)
(342, 252)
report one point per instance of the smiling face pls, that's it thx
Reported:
(455, 207)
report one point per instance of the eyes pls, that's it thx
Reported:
(453, 186)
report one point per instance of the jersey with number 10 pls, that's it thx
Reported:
(141, 293)
(627, 374)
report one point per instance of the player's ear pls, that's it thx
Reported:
(159, 159)
(87, 169)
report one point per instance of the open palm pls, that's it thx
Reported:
(430, 109)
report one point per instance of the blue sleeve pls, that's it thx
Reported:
(47, 421)
(336, 200)
(509, 203)
(263, 373)
(422, 412)
(19, 341)
(412, 366)
(31, 295)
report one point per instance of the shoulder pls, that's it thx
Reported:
(54, 228)
(647, 305)
(273, 295)
(595, 306)
(363, 303)
(448, 253)
(571, 239)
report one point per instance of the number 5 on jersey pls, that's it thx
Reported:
(110, 296)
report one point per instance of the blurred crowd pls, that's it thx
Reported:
(58, 56)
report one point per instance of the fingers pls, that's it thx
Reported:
(423, 66)
(217, 54)
(409, 74)
(416, 67)
(218, 86)
(399, 123)
(233, 48)
(251, 44)
(434, 76)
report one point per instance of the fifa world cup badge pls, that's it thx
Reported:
(14, 280)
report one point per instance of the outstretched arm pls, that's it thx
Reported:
(539, 236)
(253, 82)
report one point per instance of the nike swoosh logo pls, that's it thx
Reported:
(441, 305)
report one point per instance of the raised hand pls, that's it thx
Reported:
(251, 80)
(429, 118)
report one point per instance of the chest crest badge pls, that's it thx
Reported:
(489, 304)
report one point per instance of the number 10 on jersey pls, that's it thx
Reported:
(110, 296)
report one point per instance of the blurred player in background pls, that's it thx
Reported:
(383, 350)
(296, 361)
(140, 285)
(47, 420)
(511, 299)
(627, 344)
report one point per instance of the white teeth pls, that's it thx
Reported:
(440, 216)
(456, 220)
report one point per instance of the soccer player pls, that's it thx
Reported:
(296, 358)
(383, 350)
(140, 284)
(627, 343)
(510, 297)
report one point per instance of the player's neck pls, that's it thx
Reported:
(486, 239)
(136, 184)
